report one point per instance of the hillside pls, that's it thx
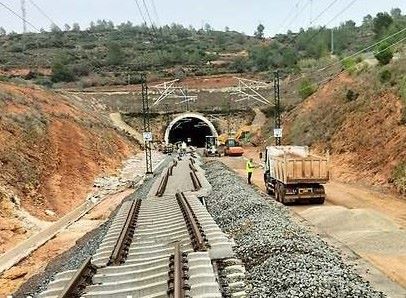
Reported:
(360, 118)
(108, 54)
(51, 149)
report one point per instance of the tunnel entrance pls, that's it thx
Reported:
(190, 128)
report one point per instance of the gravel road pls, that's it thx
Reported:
(282, 258)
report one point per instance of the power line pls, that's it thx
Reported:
(317, 84)
(352, 55)
(148, 14)
(281, 26)
(155, 12)
(20, 17)
(324, 11)
(299, 13)
(43, 13)
(333, 19)
(140, 11)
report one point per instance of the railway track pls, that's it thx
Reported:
(163, 245)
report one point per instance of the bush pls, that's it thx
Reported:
(351, 95)
(385, 76)
(383, 54)
(349, 65)
(399, 177)
(306, 88)
(43, 81)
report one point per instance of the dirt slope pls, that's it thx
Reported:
(364, 133)
(51, 149)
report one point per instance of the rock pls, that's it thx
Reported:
(50, 213)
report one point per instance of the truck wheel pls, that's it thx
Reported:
(277, 192)
(319, 201)
(282, 194)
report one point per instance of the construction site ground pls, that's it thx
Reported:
(369, 222)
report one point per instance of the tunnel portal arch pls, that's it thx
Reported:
(197, 135)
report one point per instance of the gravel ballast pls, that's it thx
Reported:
(282, 257)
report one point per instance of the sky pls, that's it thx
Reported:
(241, 15)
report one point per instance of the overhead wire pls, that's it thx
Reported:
(317, 84)
(148, 14)
(352, 55)
(155, 12)
(20, 17)
(282, 25)
(140, 11)
(324, 11)
(300, 11)
(332, 20)
(43, 13)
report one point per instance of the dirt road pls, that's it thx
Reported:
(370, 223)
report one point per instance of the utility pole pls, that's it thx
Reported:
(147, 126)
(277, 106)
(24, 15)
(332, 41)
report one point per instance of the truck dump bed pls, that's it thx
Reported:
(294, 165)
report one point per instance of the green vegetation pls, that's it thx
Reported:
(399, 177)
(106, 53)
(383, 54)
(306, 88)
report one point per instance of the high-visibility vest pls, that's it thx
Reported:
(249, 167)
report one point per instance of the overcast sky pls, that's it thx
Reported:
(240, 15)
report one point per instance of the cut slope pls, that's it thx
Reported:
(51, 149)
(364, 133)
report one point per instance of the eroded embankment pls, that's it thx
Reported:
(51, 150)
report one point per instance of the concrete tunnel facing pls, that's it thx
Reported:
(192, 126)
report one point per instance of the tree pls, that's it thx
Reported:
(383, 54)
(207, 27)
(2, 31)
(61, 72)
(75, 27)
(67, 27)
(396, 13)
(115, 55)
(260, 31)
(381, 23)
(55, 28)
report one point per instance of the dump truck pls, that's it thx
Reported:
(293, 175)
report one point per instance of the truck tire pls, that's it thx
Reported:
(282, 193)
(276, 195)
(319, 201)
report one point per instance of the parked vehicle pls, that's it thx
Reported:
(292, 174)
(211, 147)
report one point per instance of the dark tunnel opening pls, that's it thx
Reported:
(191, 130)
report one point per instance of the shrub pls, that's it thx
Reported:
(43, 81)
(349, 65)
(385, 76)
(383, 54)
(351, 95)
(399, 177)
(306, 88)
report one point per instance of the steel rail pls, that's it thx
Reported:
(78, 282)
(197, 236)
(124, 240)
(177, 285)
